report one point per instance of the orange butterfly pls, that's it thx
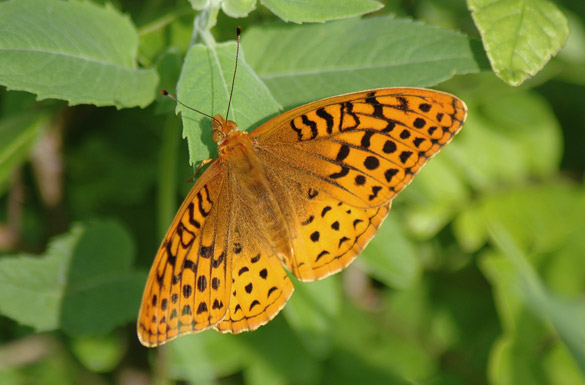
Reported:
(306, 190)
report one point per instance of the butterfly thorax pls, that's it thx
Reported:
(264, 213)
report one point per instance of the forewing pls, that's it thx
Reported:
(190, 280)
(341, 161)
(361, 148)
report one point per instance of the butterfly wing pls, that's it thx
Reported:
(260, 285)
(191, 273)
(335, 165)
(207, 272)
(342, 160)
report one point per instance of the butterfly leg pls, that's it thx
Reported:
(203, 163)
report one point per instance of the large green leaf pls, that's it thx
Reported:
(75, 51)
(83, 284)
(311, 310)
(320, 10)
(520, 36)
(521, 128)
(391, 257)
(304, 63)
(520, 353)
(541, 217)
(205, 84)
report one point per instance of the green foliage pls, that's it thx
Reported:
(83, 285)
(343, 56)
(476, 277)
(320, 10)
(519, 36)
(213, 68)
(18, 135)
(74, 51)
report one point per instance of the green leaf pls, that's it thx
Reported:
(98, 354)
(436, 197)
(238, 8)
(310, 311)
(520, 286)
(368, 350)
(233, 8)
(521, 128)
(83, 284)
(391, 257)
(531, 214)
(75, 51)
(170, 32)
(520, 36)
(293, 364)
(305, 63)
(189, 359)
(18, 134)
(320, 10)
(200, 4)
(205, 84)
(204, 356)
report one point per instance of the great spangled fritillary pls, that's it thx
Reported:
(306, 190)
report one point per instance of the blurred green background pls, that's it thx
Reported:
(476, 277)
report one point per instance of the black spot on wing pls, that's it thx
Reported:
(202, 308)
(340, 174)
(253, 304)
(327, 117)
(360, 180)
(389, 147)
(308, 220)
(342, 153)
(375, 191)
(312, 193)
(321, 255)
(371, 163)
(366, 139)
(389, 174)
(215, 263)
(315, 236)
(297, 130)
(403, 103)
(186, 310)
(206, 251)
(404, 155)
(192, 221)
(188, 290)
(189, 265)
(424, 107)
(312, 125)
(419, 123)
(263, 273)
(200, 206)
(201, 283)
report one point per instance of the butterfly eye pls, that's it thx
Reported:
(217, 136)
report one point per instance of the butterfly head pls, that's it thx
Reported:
(222, 128)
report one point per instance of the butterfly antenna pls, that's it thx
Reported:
(165, 93)
(238, 31)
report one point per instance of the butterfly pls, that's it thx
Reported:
(304, 192)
